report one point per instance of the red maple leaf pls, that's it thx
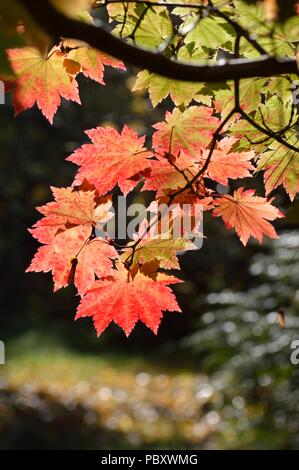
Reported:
(71, 205)
(247, 214)
(92, 62)
(42, 80)
(112, 158)
(66, 230)
(169, 173)
(226, 164)
(71, 250)
(45, 79)
(124, 300)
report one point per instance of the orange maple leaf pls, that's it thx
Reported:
(226, 164)
(167, 174)
(42, 80)
(112, 158)
(247, 214)
(72, 206)
(125, 301)
(73, 250)
(45, 79)
(66, 230)
(92, 62)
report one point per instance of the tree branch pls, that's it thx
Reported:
(57, 24)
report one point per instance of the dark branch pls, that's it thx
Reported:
(274, 135)
(57, 24)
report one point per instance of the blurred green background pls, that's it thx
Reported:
(217, 376)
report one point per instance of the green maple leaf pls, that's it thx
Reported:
(154, 28)
(249, 91)
(211, 33)
(162, 250)
(281, 166)
(160, 87)
(275, 114)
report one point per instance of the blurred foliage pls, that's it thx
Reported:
(52, 397)
(282, 8)
(240, 343)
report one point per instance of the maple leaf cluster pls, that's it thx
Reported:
(69, 247)
(202, 143)
(126, 285)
